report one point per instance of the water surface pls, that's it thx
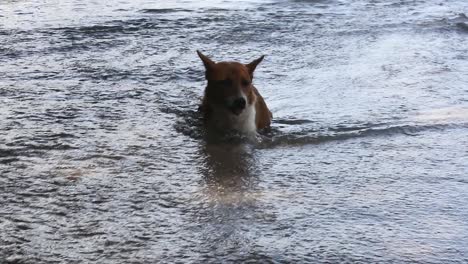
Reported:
(103, 160)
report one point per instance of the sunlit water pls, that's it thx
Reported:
(103, 159)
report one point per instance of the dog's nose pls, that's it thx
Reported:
(239, 103)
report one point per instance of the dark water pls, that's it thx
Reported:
(102, 158)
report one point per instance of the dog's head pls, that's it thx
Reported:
(229, 83)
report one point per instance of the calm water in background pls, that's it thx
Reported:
(102, 157)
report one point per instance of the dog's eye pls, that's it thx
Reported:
(226, 82)
(245, 83)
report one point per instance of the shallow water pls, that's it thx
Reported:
(103, 159)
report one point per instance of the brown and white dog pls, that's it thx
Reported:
(231, 102)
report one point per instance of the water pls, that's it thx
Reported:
(103, 159)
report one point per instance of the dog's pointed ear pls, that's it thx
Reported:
(251, 66)
(206, 61)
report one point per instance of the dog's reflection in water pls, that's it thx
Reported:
(230, 175)
(229, 165)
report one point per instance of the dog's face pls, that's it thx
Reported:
(229, 83)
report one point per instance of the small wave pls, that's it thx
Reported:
(92, 29)
(462, 26)
(110, 27)
(276, 138)
(191, 124)
(58, 146)
(217, 10)
(291, 121)
(459, 22)
(54, 136)
(8, 155)
(101, 156)
(164, 10)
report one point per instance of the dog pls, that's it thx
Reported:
(231, 101)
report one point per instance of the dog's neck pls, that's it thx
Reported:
(223, 119)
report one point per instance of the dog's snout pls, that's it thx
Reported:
(239, 103)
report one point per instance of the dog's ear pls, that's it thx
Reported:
(206, 61)
(251, 66)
